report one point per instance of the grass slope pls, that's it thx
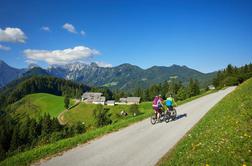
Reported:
(25, 158)
(28, 157)
(84, 113)
(38, 104)
(222, 137)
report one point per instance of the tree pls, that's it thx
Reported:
(101, 115)
(182, 93)
(146, 96)
(193, 88)
(196, 88)
(79, 128)
(46, 125)
(174, 86)
(230, 80)
(154, 90)
(23, 131)
(56, 125)
(32, 134)
(165, 88)
(15, 141)
(230, 69)
(138, 92)
(232, 75)
(2, 152)
(118, 94)
(66, 102)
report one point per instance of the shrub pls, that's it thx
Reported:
(134, 110)
(102, 117)
(67, 102)
(230, 80)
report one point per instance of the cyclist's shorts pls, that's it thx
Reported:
(170, 108)
(157, 109)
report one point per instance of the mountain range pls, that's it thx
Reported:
(8, 73)
(125, 77)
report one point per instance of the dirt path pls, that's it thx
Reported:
(61, 115)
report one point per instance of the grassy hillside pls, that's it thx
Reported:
(38, 104)
(27, 157)
(84, 113)
(222, 137)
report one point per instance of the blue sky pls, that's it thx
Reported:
(202, 34)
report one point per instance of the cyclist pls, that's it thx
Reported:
(170, 103)
(157, 106)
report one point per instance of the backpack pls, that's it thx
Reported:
(155, 101)
(168, 103)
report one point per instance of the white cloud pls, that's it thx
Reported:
(5, 48)
(69, 28)
(103, 64)
(70, 55)
(45, 28)
(29, 61)
(14, 35)
(82, 33)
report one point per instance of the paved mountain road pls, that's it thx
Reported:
(140, 144)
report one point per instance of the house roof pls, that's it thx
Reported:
(91, 94)
(100, 99)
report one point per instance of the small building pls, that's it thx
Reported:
(90, 96)
(122, 101)
(100, 100)
(211, 87)
(110, 102)
(93, 97)
(133, 100)
(128, 101)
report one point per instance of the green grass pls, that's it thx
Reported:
(28, 157)
(37, 153)
(222, 137)
(84, 113)
(38, 104)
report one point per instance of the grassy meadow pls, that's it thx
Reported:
(28, 157)
(83, 112)
(36, 105)
(222, 137)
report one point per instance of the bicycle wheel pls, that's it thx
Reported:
(153, 119)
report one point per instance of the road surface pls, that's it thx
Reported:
(140, 144)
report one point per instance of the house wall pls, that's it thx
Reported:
(95, 102)
(131, 103)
